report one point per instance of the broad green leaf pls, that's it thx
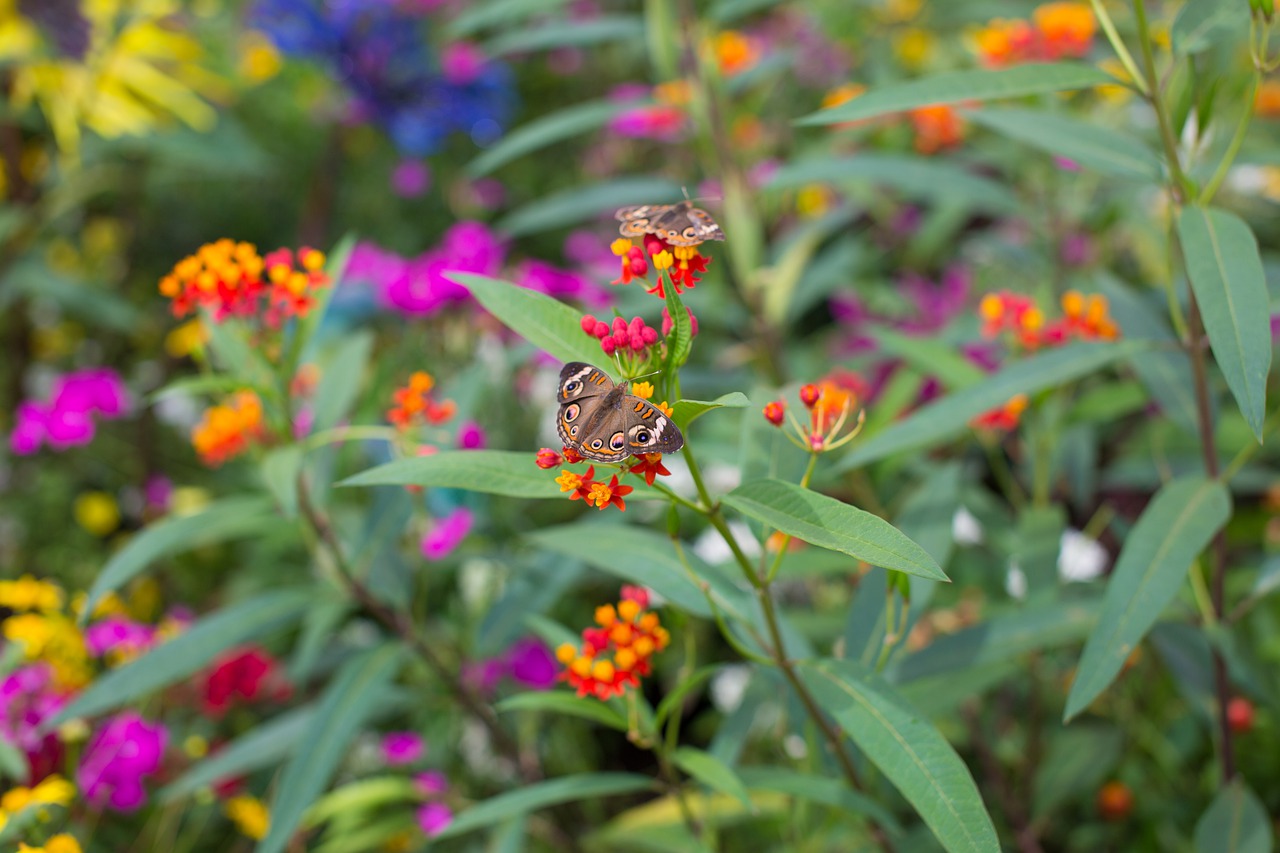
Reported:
(546, 323)
(560, 702)
(188, 652)
(1235, 822)
(959, 86)
(348, 701)
(646, 558)
(927, 516)
(1087, 143)
(1202, 23)
(914, 756)
(280, 470)
(829, 523)
(342, 380)
(548, 129)
(931, 357)
(1226, 274)
(916, 177)
(951, 415)
(361, 796)
(1172, 531)
(563, 33)
(495, 472)
(817, 789)
(263, 746)
(319, 626)
(530, 798)
(688, 411)
(579, 204)
(1077, 761)
(229, 518)
(712, 772)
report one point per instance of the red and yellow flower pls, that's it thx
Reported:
(229, 279)
(1055, 31)
(616, 653)
(414, 403)
(227, 430)
(1003, 419)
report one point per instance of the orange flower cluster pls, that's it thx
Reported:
(937, 128)
(226, 431)
(1004, 419)
(600, 495)
(1055, 31)
(830, 402)
(1266, 103)
(682, 264)
(414, 403)
(615, 655)
(735, 52)
(1085, 318)
(229, 279)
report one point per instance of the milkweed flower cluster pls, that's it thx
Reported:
(830, 404)
(633, 343)
(230, 279)
(68, 418)
(937, 128)
(414, 404)
(599, 494)
(1003, 419)
(1055, 31)
(616, 652)
(682, 264)
(228, 430)
(1084, 318)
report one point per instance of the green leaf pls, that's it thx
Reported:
(910, 752)
(542, 794)
(931, 357)
(341, 380)
(13, 763)
(958, 86)
(362, 795)
(916, 177)
(1235, 822)
(712, 772)
(951, 415)
(1172, 531)
(482, 15)
(579, 204)
(674, 698)
(563, 33)
(829, 523)
(553, 127)
(188, 652)
(680, 341)
(350, 698)
(196, 385)
(646, 558)
(817, 789)
(1226, 274)
(688, 411)
(494, 472)
(229, 343)
(559, 702)
(1202, 23)
(1087, 143)
(280, 470)
(263, 746)
(546, 323)
(229, 518)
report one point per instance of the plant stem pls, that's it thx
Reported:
(1229, 156)
(1122, 52)
(1181, 187)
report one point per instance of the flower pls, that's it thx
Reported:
(97, 513)
(239, 675)
(603, 495)
(27, 593)
(531, 663)
(664, 120)
(53, 790)
(471, 436)
(230, 279)
(1266, 103)
(430, 783)
(447, 534)
(571, 482)
(830, 402)
(937, 128)
(249, 814)
(410, 178)
(1005, 418)
(1055, 31)
(67, 419)
(63, 842)
(643, 390)
(117, 635)
(548, 458)
(414, 403)
(638, 594)
(735, 52)
(433, 818)
(775, 412)
(1114, 801)
(1240, 714)
(226, 431)
(809, 395)
(402, 748)
(649, 466)
(632, 338)
(1084, 318)
(52, 637)
(119, 755)
(28, 698)
(616, 654)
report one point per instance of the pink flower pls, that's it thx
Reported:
(431, 783)
(447, 534)
(433, 818)
(115, 633)
(532, 664)
(410, 178)
(402, 748)
(462, 62)
(98, 391)
(27, 700)
(471, 436)
(29, 429)
(124, 750)
(65, 421)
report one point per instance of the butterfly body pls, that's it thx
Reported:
(604, 423)
(679, 224)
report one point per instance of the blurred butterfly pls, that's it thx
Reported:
(679, 224)
(604, 423)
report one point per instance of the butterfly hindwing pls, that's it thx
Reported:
(605, 424)
(678, 224)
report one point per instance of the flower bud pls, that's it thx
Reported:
(548, 458)
(1240, 715)
(775, 412)
(589, 324)
(809, 395)
(1115, 801)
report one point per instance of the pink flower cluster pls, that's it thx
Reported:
(27, 699)
(668, 324)
(622, 335)
(118, 634)
(447, 534)
(403, 748)
(67, 419)
(527, 662)
(121, 753)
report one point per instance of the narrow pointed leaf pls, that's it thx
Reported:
(1172, 531)
(561, 702)
(958, 86)
(817, 789)
(494, 472)
(353, 695)
(1087, 143)
(712, 772)
(579, 204)
(263, 746)
(914, 756)
(546, 130)
(829, 523)
(688, 411)
(1226, 274)
(1235, 822)
(530, 798)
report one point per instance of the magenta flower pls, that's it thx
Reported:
(462, 62)
(433, 818)
(115, 633)
(532, 664)
(447, 534)
(29, 429)
(67, 419)
(402, 748)
(124, 750)
(410, 178)
(27, 700)
(471, 436)
(431, 783)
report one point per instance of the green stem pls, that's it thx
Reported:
(1220, 174)
(1182, 188)
(786, 537)
(1122, 52)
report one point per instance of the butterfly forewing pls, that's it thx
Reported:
(678, 224)
(604, 423)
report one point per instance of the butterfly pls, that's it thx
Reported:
(679, 224)
(604, 423)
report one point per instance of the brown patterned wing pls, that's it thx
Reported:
(637, 221)
(685, 225)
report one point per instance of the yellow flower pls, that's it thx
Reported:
(666, 410)
(643, 390)
(62, 843)
(813, 200)
(27, 593)
(620, 246)
(97, 512)
(195, 746)
(259, 59)
(249, 815)
(52, 791)
(185, 339)
(914, 47)
(54, 638)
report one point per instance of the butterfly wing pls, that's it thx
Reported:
(582, 390)
(649, 429)
(636, 220)
(685, 225)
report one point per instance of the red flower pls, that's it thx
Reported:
(240, 675)
(1240, 715)
(571, 456)
(649, 466)
(775, 412)
(548, 458)
(809, 395)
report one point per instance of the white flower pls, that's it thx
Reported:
(965, 529)
(1081, 558)
(728, 686)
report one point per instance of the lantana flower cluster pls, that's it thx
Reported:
(228, 430)
(230, 279)
(682, 265)
(68, 418)
(830, 403)
(415, 405)
(616, 652)
(1055, 31)
(1084, 318)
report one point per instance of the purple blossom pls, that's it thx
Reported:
(447, 534)
(483, 676)
(471, 436)
(431, 783)
(532, 664)
(157, 492)
(410, 178)
(433, 818)
(27, 701)
(116, 633)
(402, 748)
(462, 62)
(124, 750)
(66, 420)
